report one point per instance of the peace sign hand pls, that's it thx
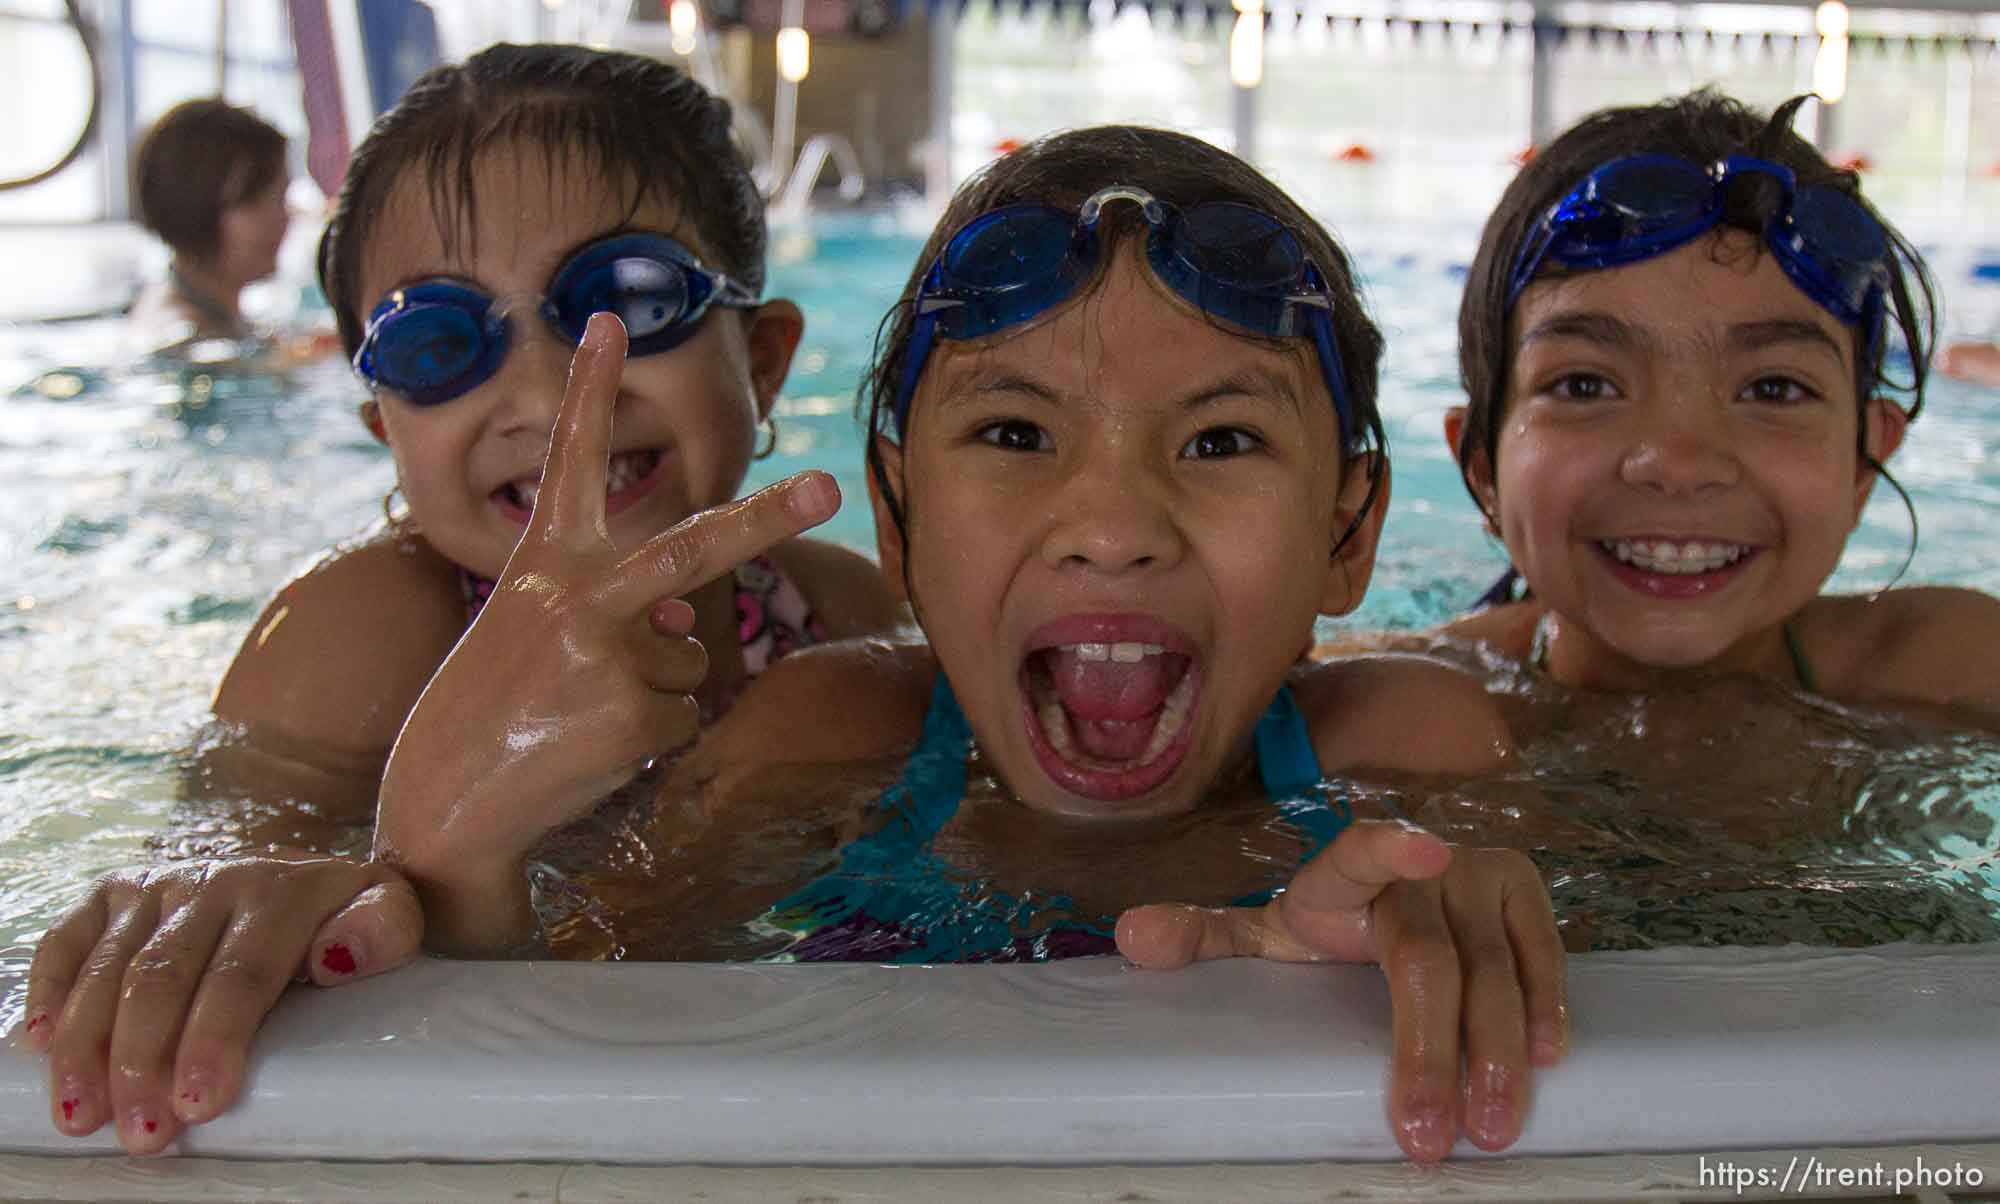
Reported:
(578, 671)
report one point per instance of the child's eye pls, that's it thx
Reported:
(1778, 390)
(1583, 386)
(1014, 434)
(1219, 441)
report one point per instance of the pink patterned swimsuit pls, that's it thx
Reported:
(773, 618)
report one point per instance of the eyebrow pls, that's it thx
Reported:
(1755, 336)
(1592, 328)
(1253, 384)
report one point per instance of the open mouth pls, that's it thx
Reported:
(627, 478)
(1110, 718)
(1676, 568)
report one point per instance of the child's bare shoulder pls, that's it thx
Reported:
(1402, 711)
(1931, 644)
(845, 588)
(341, 653)
(1508, 629)
(849, 700)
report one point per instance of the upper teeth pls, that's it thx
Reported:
(1124, 654)
(621, 473)
(1665, 556)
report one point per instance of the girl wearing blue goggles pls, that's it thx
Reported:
(1677, 339)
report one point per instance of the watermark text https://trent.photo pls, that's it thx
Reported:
(1807, 1173)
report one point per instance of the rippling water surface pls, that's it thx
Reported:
(146, 512)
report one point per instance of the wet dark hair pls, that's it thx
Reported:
(1063, 170)
(1703, 127)
(198, 159)
(637, 121)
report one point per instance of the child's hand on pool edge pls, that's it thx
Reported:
(146, 994)
(1467, 939)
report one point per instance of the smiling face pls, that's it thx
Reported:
(1121, 523)
(685, 423)
(1677, 469)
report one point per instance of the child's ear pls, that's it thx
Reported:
(1355, 535)
(888, 537)
(775, 330)
(371, 417)
(1478, 468)
(1887, 424)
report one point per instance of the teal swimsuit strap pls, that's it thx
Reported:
(928, 792)
(1290, 769)
(1808, 680)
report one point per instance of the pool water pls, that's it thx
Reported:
(147, 512)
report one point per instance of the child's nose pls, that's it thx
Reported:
(1108, 520)
(1683, 453)
(531, 379)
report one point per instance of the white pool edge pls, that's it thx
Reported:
(1084, 1063)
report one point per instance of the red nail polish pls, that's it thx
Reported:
(337, 959)
(69, 1109)
(37, 1020)
(152, 1126)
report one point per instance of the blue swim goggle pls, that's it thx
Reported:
(1639, 206)
(1229, 260)
(436, 339)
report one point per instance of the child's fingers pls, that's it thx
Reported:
(58, 960)
(670, 664)
(1167, 936)
(1326, 907)
(158, 984)
(78, 1099)
(1324, 913)
(1495, 1018)
(1543, 967)
(571, 500)
(699, 549)
(1425, 986)
(260, 953)
(383, 928)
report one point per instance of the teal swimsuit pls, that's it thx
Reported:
(893, 899)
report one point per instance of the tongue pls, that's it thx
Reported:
(1110, 690)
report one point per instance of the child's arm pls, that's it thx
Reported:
(1467, 940)
(577, 673)
(147, 993)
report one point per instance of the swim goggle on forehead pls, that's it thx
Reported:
(1230, 261)
(436, 339)
(1639, 206)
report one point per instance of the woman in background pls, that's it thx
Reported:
(209, 179)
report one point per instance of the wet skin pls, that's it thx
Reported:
(1697, 400)
(1092, 478)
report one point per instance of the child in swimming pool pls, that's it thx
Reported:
(1122, 457)
(1675, 345)
(482, 221)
